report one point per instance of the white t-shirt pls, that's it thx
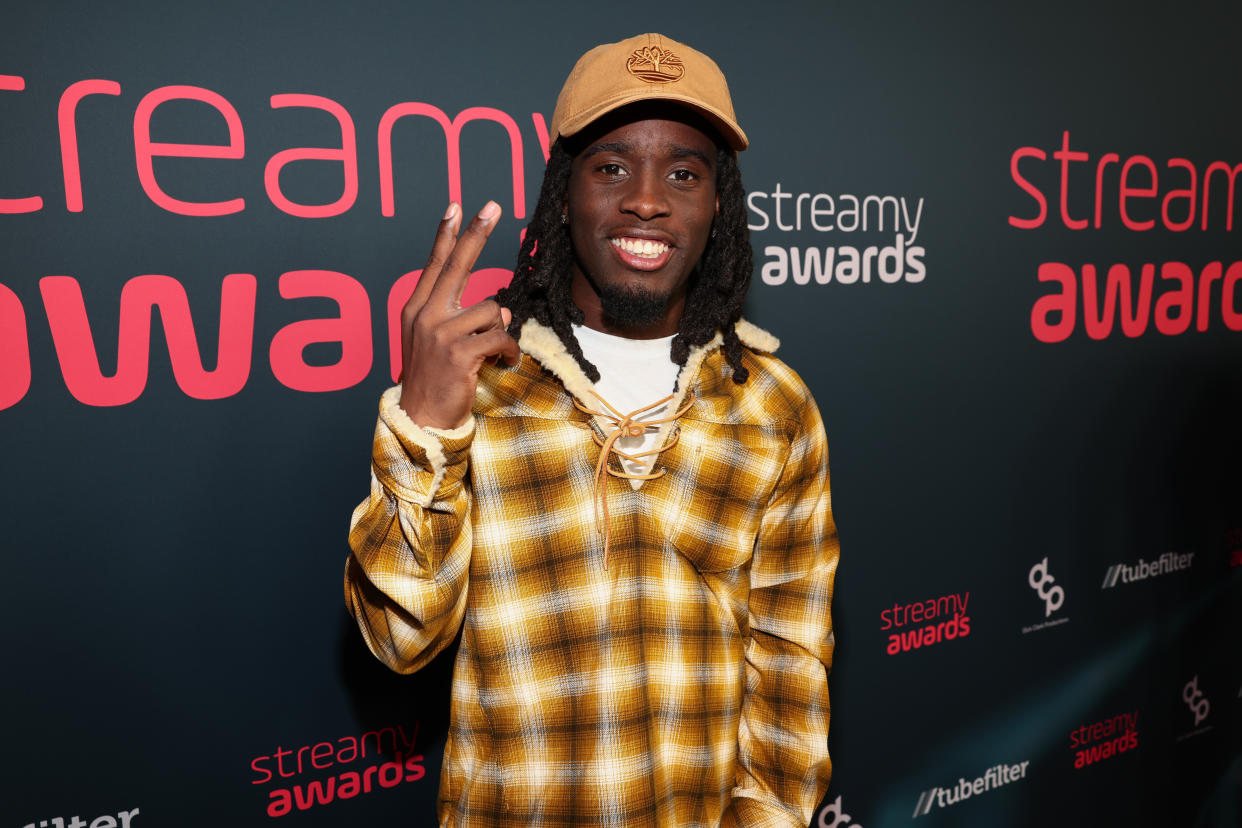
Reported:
(633, 373)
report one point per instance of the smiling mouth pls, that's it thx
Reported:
(641, 254)
(643, 248)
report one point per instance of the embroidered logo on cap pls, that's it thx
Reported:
(655, 65)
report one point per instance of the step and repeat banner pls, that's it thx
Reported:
(1001, 244)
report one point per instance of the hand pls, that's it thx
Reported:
(443, 346)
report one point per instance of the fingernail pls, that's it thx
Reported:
(451, 211)
(490, 210)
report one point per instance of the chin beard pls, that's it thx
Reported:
(636, 308)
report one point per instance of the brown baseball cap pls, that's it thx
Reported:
(645, 68)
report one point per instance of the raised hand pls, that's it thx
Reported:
(443, 346)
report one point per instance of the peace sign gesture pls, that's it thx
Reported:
(443, 345)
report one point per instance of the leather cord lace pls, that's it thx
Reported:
(625, 425)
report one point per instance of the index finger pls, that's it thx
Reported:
(441, 247)
(452, 278)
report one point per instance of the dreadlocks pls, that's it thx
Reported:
(541, 278)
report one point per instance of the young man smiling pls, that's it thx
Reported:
(630, 519)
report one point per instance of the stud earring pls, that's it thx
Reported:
(564, 218)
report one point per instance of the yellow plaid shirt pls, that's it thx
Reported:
(685, 684)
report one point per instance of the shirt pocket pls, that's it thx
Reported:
(720, 478)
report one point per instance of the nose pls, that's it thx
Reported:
(645, 197)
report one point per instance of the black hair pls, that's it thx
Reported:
(541, 279)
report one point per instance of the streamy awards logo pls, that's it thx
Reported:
(1104, 739)
(926, 623)
(1136, 195)
(385, 758)
(242, 348)
(1233, 546)
(872, 239)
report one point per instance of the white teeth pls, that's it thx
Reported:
(645, 248)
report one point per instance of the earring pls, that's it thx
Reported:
(713, 232)
(564, 218)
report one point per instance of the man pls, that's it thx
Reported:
(629, 519)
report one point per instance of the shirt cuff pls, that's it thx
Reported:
(440, 453)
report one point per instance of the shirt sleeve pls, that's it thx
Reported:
(407, 575)
(783, 764)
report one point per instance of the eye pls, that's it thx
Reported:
(612, 170)
(683, 175)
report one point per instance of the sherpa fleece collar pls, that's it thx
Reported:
(542, 343)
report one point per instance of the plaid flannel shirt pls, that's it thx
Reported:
(683, 685)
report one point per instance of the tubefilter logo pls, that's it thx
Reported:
(1142, 570)
(995, 777)
(124, 819)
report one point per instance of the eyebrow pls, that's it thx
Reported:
(621, 148)
(690, 152)
(595, 149)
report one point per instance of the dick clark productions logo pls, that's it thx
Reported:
(1052, 596)
(1195, 700)
(840, 819)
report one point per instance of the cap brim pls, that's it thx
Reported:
(729, 131)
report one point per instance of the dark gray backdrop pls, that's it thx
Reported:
(172, 594)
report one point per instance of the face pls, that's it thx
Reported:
(641, 202)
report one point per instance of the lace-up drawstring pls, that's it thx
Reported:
(625, 425)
